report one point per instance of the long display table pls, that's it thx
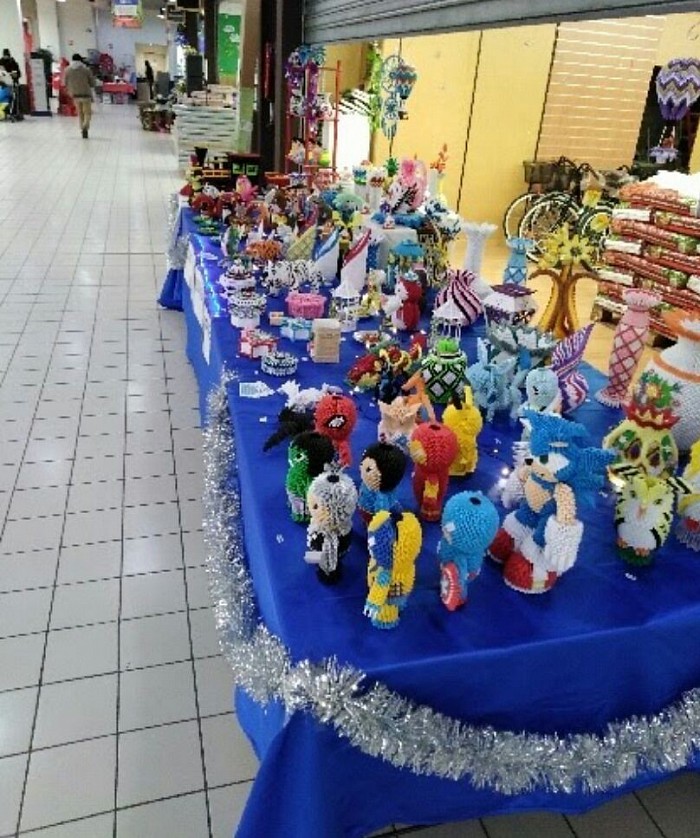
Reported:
(605, 645)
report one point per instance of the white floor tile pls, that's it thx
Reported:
(12, 772)
(143, 555)
(154, 593)
(214, 686)
(228, 755)
(159, 762)
(24, 612)
(151, 640)
(28, 570)
(31, 534)
(226, 806)
(86, 602)
(97, 826)
(89, 562)
(31, 503)
(198, 588)
(156, 696)
(75, 710)
(205, 641)
(20, 661)
(56, 773)
(77, 652)
(186, 816)
(152, 519)
(38, 475)
(146, 490)
(84, 497)
(92, 527)
(16, 718)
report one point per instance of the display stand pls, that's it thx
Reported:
(307, 126)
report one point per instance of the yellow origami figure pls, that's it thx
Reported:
(394, 539)
(464, 418)
(688, 527)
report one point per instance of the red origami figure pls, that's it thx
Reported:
(433, 449)
(409, 313)
(335, 417)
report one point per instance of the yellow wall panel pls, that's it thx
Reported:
(510, 90)
(438, 109)
(609, 63)
(680, 38)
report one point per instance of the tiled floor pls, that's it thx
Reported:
(115, 709)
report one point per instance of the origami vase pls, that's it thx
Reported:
(628, 345)
(680, 364)
(566, 357)
(477, 234)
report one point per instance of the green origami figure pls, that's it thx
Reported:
(308, 453)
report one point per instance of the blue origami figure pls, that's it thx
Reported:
(495, 384)
(515, 272)
(469, 524)
(539, 541)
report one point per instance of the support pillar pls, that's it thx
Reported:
(281, 31)
(211, 11)
(47, 18)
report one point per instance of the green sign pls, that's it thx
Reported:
(229, 47)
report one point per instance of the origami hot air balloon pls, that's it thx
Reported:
(678, 86)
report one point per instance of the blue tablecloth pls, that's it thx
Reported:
(603, 645)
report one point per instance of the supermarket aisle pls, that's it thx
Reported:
(115, 708)
(111, 691)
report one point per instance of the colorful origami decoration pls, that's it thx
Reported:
(469, 524)
(444, 371)
(566, 357)
(628, 344)
(515, 272)
(539, 541)
(398, 421)
(382, 468)
(678, 87)
(394, 540)
(433, 448)
(335, 417)
(331, 499)
(644, 513)
(542, 393)
(688, 527)
(309, 452)
(494, 384)
(403, 306)
(644, 438)
(463, 417)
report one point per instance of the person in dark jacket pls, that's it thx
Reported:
(149, 78)
(8, 63)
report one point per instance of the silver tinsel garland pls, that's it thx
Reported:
(384, 724)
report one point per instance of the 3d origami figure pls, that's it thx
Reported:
(469, 524)
(433, 448)
(394, 540)
(382, 468)
(335, 417)
(539, 541)
(308, 453)
(332, 499)
(464, 418)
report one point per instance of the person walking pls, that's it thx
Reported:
(80, 83)
(149, 78)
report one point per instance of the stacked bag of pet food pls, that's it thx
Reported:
(655, 244)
